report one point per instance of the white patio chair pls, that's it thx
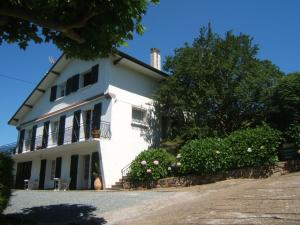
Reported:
(64, 184)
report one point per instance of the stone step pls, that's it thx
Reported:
(116, 187)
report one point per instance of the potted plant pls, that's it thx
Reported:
(97, 180)
(95, 133)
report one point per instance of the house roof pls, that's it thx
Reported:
(57, 68)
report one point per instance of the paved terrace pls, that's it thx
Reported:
(275, 200)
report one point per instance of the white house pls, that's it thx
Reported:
(84, 113)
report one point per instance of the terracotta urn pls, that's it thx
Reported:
(97, 184)
(96, 133)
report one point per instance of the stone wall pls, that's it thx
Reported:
(254, 172)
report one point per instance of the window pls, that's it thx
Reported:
(139, 115)
(28, 139)
(86, 167)
(87, 79)
(53, 165)
(54, 132)
(62, 90)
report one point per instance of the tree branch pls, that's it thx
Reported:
(65, 28)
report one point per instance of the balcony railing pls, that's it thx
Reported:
(80, 133)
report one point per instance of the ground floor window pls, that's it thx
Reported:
(53, 165)
(86, 167)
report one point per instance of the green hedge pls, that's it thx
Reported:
(254, 147)
(138, 168)
(293, 134)
(6, 180)
(249, 147)
(204, 156)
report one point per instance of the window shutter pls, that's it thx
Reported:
(61, 130)
(96, 116)
(42, 173)
(21, 141)
(32, 143)
(76, 126)
(69, 86)
(53, 93)
(75, 83)
(45, 134)
(95, 71)
(58, 167)
(73, 171)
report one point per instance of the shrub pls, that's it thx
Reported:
(204, 156)
(293, 134)
(249, 147)
(254, 147)
(6, 167)
(138, 171)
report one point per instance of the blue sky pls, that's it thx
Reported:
(274, 25)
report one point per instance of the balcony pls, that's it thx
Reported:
(81, 133)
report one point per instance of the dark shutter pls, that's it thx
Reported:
(58, 167)
(95, 168)
(96, 116)
(87, 124)
(32, 143)
(21, 141)
(23, 173)
(45, 135)
(95, 71)
(61, 130)
(69, 86)
(42, 174)
(73, 171)
(53, 93)
(76, 126)
(75, 83)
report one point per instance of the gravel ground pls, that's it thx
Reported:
(272, 201)
(49, 207)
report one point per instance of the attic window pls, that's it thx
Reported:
(87, 79)
(62, 90)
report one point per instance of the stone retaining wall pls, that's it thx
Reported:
(255, 172)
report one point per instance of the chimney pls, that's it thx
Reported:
(155, 58)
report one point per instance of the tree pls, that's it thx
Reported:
(285, 102)
(84, 29)
(217, 86)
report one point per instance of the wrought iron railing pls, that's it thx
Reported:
(80, 133)
(125, 171)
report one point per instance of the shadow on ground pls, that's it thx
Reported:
(69, 214)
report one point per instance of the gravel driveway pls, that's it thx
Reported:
(79, 207)
(272, 201)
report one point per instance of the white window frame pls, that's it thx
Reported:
(61, 87)
(138, 121)
(52, 169)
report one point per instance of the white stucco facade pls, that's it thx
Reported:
(124, 87)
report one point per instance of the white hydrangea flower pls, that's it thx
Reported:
(155, 162)
(178, 164)
(149, 171)
(144, 162)
(169, 168)
(249, 150)
(178, 156)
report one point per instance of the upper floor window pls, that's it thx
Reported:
(87, 79)
(28, 137)
(62, 90)
(139, 115)
(73, 83)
